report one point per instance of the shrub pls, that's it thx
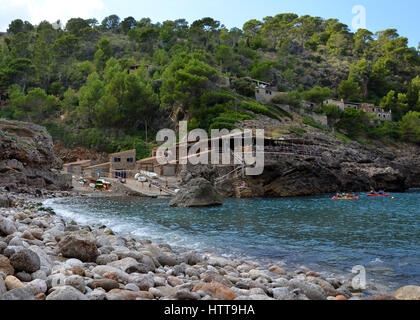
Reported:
(243, 87)
(260, 109)
(297, 131)
(317, 94)
(410, 127)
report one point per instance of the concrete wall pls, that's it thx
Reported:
(322, 119)
(264, 95)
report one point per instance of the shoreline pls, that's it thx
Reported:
(344, 275)
(140, 269)
(125, 268)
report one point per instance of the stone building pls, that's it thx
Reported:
(366, 107)
(97, 171)
(123, 164)
(77, 167)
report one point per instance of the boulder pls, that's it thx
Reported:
(106, 284)
(167, 259)
(26, 260)
(104, 259)
(378, 297)
(312, 291)
(198, 192)
(79, 247)
(119, 294)
(130, 265)
(76, 282)
(3, 288)
(24, 276)
(12, 282)
(96, 295)
(132, 287)
(20, 294)
(37, 286)
(5, 266)
(277, 270)
(143, 281)
(3, 245)
(281, 293)
(255, 274)
(7, 226)
(216, 290)
(408, 293)
(103, 270)
(185, 294)
(66, 293)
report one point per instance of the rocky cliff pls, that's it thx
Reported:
(27, 160)
(340, 166)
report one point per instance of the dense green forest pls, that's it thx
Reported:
(112, 85)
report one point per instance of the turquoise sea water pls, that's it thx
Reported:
(381, 234)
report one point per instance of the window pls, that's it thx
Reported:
(117, 159)
(131, 160)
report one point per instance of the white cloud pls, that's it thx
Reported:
(36, 11)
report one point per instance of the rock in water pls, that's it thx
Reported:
(408, 293)
(74, 246)
(26, 260)
(198, 192)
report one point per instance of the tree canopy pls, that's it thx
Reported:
(129, 77)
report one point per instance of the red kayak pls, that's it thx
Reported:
(379, 195)
(346, 198)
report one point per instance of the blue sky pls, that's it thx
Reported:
(380, 14)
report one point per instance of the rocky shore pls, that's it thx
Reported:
(44, 257)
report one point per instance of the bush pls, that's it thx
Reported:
(291, 98)
(311, 122)
(410, 127)
(260, 109)
(332, 111)
(222, 125)
(243, 87)
(213, 97)
(317, 94)
(355, 122)
(387, 129)
(297, 131)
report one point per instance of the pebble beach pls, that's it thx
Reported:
(46, 257)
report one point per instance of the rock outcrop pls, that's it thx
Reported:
(338, 166)
(27, 160)
(198, 192)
